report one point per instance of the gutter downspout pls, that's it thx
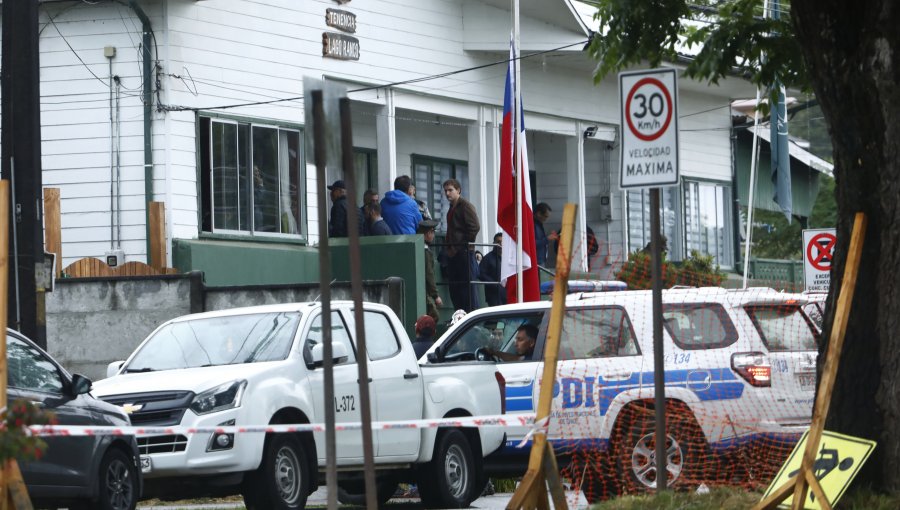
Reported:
(148, 120)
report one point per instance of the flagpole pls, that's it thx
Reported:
(517, 154)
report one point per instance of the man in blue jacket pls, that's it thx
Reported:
(399, 210)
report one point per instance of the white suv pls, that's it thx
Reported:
(740, 366)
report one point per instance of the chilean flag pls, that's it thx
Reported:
(506, 201)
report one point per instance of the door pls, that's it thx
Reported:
(346, 390)
(396, 389)
(34, 377)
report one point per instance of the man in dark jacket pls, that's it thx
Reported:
(489, 272)
(462, 228)
(541, 238)
(375, 224)
(371, 195)
(400, 211)
(337, 224)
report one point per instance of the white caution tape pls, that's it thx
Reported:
(539, 426)
(518, 420)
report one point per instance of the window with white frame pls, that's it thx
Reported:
(429, 175)
(705, 220)
(639, 220)
(250, 178)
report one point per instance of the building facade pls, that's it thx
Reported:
(222, 142)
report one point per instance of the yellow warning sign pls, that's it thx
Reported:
(838, 459)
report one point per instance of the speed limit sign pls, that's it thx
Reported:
(649, 109)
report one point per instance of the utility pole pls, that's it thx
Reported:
(21, 164)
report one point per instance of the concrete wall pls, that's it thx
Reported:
(94, 321)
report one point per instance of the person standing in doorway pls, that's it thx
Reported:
(400, 211)
(432, 297)
(462, 228)
(337, 224)
(541, 239)
(489, 272)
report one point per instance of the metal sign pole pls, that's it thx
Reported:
(659, 376)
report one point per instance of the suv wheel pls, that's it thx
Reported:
(118, 478)
(281, 482)
(449, 480)
(635, 448)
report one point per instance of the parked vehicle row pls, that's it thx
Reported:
(263, 365)
(739, 365)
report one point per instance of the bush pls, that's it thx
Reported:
(16, 441)
(696, 271)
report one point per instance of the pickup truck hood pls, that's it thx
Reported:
(190, 379)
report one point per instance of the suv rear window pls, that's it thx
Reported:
(699, 325)
(783, 328)
(597, 333)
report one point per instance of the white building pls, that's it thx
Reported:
(226, 82)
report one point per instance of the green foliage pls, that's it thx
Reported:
(697, 270)
(733, 38)
(15, 441)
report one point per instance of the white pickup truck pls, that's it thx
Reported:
(263, 365)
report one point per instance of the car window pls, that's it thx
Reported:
(29, 369)
(495, 332)
(597, 333)
(381, 339)
(783, 328)
(338, 336)
(213, 341)
(699, 325)
(815, 313)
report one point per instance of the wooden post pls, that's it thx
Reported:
(805, 478)
(53, 226)
(531, 492)
(4, 297)
(158, 236)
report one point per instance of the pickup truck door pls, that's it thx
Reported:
(396, 387)
(346, 391)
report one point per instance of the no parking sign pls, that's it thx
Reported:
(818, 254)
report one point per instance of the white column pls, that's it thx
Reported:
(576, 193)
(386, 135)
(479, 177)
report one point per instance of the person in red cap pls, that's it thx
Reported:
(425, 328)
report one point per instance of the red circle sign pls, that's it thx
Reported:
(820, 251)
(656, 129)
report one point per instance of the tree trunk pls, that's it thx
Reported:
(851, 49)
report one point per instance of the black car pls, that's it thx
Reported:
(100, 472)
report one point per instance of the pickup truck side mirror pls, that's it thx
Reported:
(113, 368)
(338, 354)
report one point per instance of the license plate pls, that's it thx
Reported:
(146, 464)
(807, 381)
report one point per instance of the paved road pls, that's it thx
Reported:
(320, 498)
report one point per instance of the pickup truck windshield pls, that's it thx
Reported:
(218, 341)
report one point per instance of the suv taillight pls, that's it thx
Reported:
(501, 383)
(753, 367)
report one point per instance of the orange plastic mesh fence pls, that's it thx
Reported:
(740, 375)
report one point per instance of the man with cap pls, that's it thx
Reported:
(337, 224)
(432, 298)
(425, 328)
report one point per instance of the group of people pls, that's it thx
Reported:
(399, 212)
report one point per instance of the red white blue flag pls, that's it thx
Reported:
(513, 161)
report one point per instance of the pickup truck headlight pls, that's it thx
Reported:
(226, 396)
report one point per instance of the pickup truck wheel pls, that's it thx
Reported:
(635, 449)
(354, 492)
(281, 481)
(449, 480)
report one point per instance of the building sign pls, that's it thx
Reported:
(340, 46)
(818, 253)
(649, 108)
(341, 20)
